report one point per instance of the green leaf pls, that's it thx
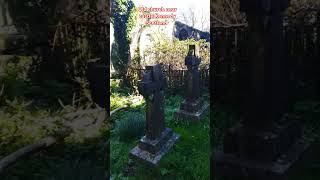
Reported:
(164, 171)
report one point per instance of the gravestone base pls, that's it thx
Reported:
(261, 155)
(151, 151)
(230, 167)
(192, 111)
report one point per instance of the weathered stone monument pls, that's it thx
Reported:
(192, 108)
(265, 144)
(98, 82)
(158, 139)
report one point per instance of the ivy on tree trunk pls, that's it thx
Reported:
(124, 20)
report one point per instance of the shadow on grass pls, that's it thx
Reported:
(70, 161)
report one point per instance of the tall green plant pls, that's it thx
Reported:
(124, 20)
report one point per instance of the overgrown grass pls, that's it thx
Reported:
(131, 126)
(78, 158)
(69, 161)
(188, 159)
(16, 120)
(119, 96)
(30, 111)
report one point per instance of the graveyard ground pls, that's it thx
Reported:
(24, 120)
(69, 161)
(188, 159)
(81, 156)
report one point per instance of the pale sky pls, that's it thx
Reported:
(201, 8)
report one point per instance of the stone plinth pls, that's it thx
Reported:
(151, 151)
(229, 167)
(192, 111)
(257, 155)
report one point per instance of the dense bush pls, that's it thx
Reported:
(132, 126)
(12, 83)
(15, 83)
(14, 118)
(173, 52)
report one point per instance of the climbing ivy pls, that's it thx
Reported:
(124, 17)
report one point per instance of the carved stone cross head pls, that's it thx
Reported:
(153, 81)
(192, 60)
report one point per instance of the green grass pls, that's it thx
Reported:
(119, 96)
(188, 159)
(131, 126)
(69, 161)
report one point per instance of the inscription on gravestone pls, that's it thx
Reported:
(265, 145)
(158, 139)
(192, 108)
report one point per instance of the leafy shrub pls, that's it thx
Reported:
(173, 52)
(115, 87)
(13, 82)
(116, 101)
(119, 96)
(132, 126)
(14, 118)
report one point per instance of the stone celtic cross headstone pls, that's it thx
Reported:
(265, 145)
(158, 139)
(192, 108)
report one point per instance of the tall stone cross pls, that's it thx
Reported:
(262, 147)
(267, 92)
(158, 139)
(193, 76)
(152, 88)
(192, 108)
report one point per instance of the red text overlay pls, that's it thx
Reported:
(157, 15)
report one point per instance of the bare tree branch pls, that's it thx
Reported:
(228, 24)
